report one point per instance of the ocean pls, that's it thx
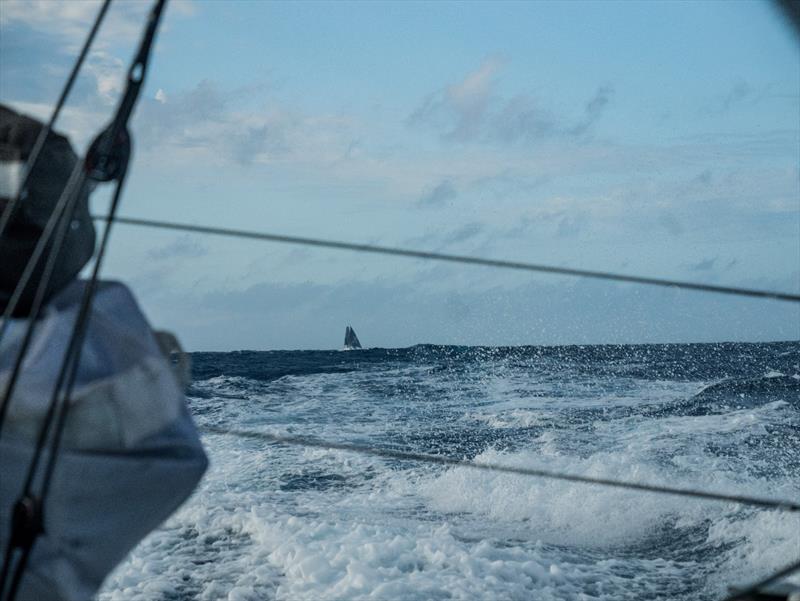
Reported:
(277, 522)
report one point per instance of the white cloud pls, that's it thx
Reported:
(461, 108)
(108, 72)
(472, 111)
(63, 28)
(71, 21)
(207, 125)
(470, 98)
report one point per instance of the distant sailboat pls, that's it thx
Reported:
(350, 339)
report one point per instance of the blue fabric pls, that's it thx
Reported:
(110, 488)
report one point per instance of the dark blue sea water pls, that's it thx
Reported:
(272, 522)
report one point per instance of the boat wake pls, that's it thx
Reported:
(273, 522)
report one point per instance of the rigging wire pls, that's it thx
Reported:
(299, 441)
(755, 588)
(65, 204)
(57, 410)
(69, 368)
(435, 256)
(74, 184)
(58, 223)
(9, 209)
(106, 160)
(792, 11)
(26, 509)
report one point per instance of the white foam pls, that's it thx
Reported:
(367, 543)
(516, 418)
(559, 512)
(388, 531)
(764, 541)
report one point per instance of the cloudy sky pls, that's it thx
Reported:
(659, 139)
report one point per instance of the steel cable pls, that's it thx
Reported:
(435, 256)
(105, 165)
(299, 441)
(58, 409)
(57, 224)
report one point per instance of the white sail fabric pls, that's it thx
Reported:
(350, 339)
(130, 454)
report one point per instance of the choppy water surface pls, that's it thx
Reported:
(271, 522)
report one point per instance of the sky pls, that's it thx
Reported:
(648, 138)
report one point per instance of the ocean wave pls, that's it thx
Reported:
(279, 522)
(768, 387)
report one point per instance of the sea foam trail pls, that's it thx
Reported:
(272, 522)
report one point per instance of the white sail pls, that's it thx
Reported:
(350, 339)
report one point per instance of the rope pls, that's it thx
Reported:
(417, 254)
(299, 441)
(8, 211)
